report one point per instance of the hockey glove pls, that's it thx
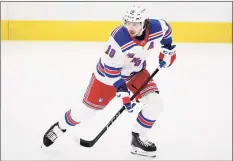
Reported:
(124, 93)
(167, 55)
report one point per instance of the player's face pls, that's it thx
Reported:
(133, 28)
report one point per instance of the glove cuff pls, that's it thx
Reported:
(169, 46)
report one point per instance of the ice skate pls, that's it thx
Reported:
(142, 147)
(52, 134)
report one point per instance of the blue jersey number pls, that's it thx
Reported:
(111, 52)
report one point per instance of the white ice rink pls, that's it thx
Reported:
(42, 80)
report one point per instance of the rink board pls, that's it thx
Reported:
(100, 30)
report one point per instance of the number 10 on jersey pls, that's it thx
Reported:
(110, 51)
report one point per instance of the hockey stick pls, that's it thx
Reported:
(86, 143)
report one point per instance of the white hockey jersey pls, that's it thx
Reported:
(126, 56)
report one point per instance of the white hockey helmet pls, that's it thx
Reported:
(135, 14)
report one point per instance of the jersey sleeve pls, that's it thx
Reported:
(167, 30)
(113, 61)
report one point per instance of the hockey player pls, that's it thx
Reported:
(121, 69)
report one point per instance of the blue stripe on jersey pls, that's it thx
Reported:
(100, 73)
(124, 76)
(111, 68)
(101, 64)
(129, 47)
(167, 36)
(100, 68)
(169, 31)
(112, 76)
(155, 37)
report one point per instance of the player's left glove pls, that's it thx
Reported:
(124, 94)
(167, 55)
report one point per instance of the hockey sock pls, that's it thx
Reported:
(75, 116)
(153, 106)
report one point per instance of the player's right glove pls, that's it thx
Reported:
(124, 94)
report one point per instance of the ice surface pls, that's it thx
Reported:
(42, 80)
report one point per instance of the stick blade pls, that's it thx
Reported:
(86, 143)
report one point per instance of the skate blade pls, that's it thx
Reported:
(140, 152)
(144, 155)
